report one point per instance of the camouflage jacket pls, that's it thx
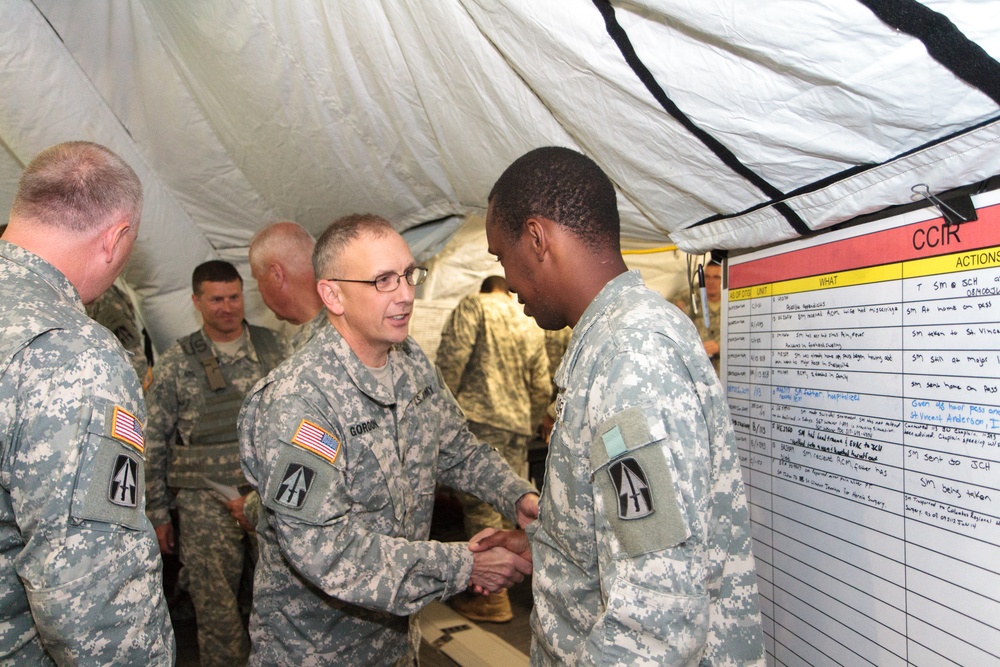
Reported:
(309, 329)
(493, 359)
(642, 547)
(80, 572)
(347, 471)
(177, 401)
(115, 311)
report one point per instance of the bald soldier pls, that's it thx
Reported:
(345, 442)
(281, 263)
(80, 575)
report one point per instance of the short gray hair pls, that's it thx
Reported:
(284, 240)
(77, 186)
(340, 233)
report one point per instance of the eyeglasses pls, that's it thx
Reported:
(389, 282)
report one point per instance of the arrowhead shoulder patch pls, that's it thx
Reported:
(123, 489)
(635, 500)
(294, 487)
(632, 474)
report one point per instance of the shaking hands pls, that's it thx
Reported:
(502, 558)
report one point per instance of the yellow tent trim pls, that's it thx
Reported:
(650, 251)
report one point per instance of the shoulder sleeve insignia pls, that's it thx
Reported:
(320, 442)
(635, 500)
(294, 485)
(123, 489)
(126, 428)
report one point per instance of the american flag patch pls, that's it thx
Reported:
(311, 437)
(125, 427)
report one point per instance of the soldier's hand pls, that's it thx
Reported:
(496, 569)
(711, 348)
(236, 509)
(165, 536)
(527, 509)
(546, 428)
(515, 541)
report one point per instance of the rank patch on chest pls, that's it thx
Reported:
(294, 485)
(635, 500)
(314, 439)
(123, 489)
(422, 395)
(126, 428)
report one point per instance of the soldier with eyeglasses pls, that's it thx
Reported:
(345, 443)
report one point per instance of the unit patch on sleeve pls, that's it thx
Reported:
(126, 428)
(123, 488)
(320, 442)
(634, 498)
(295, 484)
(633, 476)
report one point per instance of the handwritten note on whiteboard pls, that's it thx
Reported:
(863, 373)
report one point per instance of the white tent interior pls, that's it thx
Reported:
(723, 124)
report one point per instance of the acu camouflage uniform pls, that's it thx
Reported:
(80, 573)
(493, 359)
(309, 329)
(191, 438)
(642, 548)
(114, 310)
(347, 473)
(252, 506)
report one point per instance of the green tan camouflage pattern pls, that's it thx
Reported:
(493, 359)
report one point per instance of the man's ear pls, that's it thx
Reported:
(538, 234)
(277, 273)
(329, 292)
(113, 240)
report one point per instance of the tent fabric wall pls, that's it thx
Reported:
(723, 124)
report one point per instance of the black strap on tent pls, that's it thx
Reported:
(944, 42)
(620, 37)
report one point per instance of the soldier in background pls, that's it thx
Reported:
(556, 343)
(712, 334)
(281, 263)
(493, 359)
(194, 401)
(79, 573)
(345, 443)
(642, 549)
(115, 311)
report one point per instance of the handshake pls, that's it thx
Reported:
(501, 558)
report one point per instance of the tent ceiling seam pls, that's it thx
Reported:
(944, 42)
(728, 158)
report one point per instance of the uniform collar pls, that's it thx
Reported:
(246, 347)
(608, 297)
(48, 273)
(330, 340)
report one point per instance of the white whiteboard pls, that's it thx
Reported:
(863, 374)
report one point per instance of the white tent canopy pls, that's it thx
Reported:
(724, 124)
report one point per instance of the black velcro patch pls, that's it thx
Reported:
(294, 485)
(635, 500)
(123, 489)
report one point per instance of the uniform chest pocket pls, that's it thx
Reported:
(110, 481)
